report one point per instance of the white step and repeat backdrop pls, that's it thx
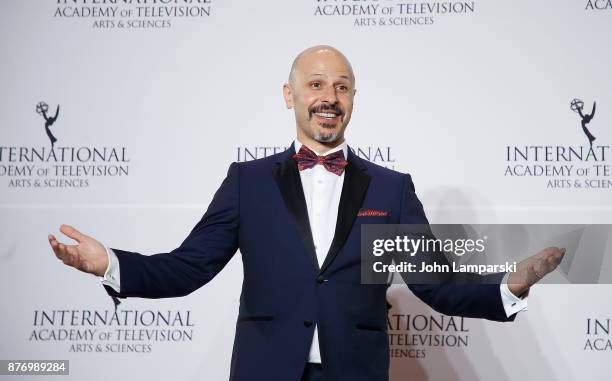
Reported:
(149, 101)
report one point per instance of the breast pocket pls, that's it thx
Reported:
(372, 220)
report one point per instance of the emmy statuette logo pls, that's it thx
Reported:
(577, 106)
(41, 109)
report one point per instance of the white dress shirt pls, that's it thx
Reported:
(322, 190)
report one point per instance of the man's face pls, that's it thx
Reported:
(321, 91)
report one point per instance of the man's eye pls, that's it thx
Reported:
(315, 85)
(342, 88)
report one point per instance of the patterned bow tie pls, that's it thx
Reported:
(334, 162)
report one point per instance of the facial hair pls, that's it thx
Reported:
(321, 136)
(325, 107)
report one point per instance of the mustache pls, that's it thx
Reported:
(325, 107)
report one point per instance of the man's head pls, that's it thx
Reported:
(320, 89)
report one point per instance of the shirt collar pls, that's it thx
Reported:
(343, 146)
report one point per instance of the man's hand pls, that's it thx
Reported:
(533, 269)
(88, 255)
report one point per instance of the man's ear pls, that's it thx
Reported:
(288, 95)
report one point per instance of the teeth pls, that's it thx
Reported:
(326, 115)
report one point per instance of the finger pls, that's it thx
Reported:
(70, 256)
(64, 254)
(561, 253)
(531, 276)
(540, 268)
(55, 245)
(549, 251)
(555, 260)
(558, 250)
(72, 250)
(550, 264)
(72, 233)
(557, 255)
(75, 257)
(51, 239)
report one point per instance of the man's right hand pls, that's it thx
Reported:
(88, 255)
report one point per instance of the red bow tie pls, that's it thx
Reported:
(334, 162)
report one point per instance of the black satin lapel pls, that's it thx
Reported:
(354, 189)
(288, 180)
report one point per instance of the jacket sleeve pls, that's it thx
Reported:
(479, 297)
(205, 251)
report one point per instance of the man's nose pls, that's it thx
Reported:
(330, 95)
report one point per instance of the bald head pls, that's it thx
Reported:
(310, 56)
(320, 89)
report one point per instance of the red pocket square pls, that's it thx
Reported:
(372, 213)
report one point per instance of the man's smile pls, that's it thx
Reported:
(327, 119)
(327, 115)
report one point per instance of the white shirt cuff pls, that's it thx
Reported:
(512, 303)
(112, 275)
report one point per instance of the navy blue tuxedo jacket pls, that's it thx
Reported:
(260, 209)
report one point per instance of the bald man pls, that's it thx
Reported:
(296, 218)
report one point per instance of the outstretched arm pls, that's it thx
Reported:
(469, 300)
(481, 296)
(207, 249)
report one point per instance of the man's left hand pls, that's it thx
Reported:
(533, 269)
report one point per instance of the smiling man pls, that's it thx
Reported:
(296, 218)
(321, 89)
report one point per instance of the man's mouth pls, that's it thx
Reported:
(328, 115)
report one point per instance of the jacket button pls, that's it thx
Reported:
(320, 279)
(307, 323)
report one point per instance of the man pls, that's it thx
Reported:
(304, 314)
